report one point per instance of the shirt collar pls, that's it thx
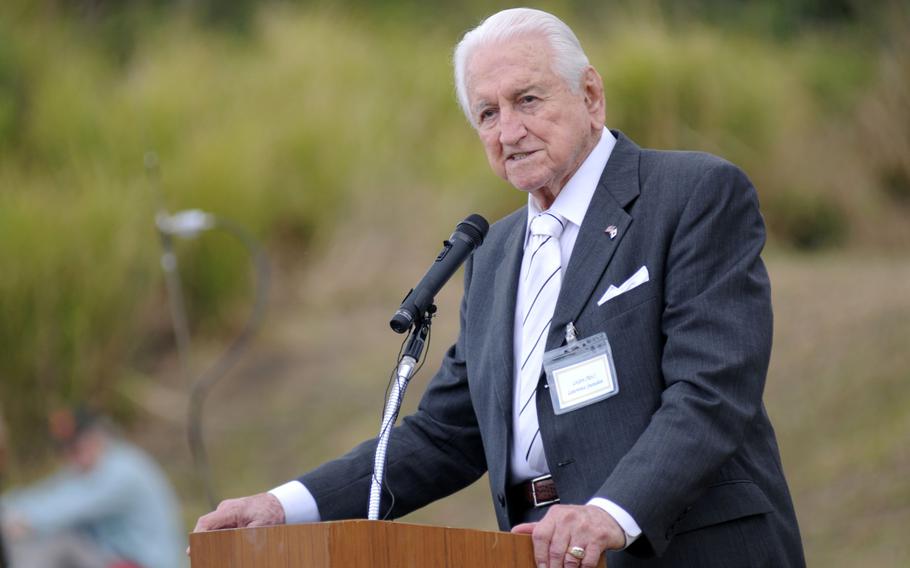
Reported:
(573, 199)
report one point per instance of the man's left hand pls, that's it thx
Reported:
(567, 526)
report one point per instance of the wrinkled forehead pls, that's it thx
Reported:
(510, 64)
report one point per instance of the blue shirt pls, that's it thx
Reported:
(124, 503)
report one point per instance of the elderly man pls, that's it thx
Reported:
(615, 337)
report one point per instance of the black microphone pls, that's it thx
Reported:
(468, 235)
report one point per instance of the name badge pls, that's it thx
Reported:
(581, 372)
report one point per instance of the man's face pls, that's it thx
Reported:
(535, 130)
(86, 451)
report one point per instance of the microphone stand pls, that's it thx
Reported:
(189, 224)
(407, 365)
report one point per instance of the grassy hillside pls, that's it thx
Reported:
(839, 395)
(285, 126)
(321, 128)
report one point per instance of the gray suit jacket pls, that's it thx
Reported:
(686, 446)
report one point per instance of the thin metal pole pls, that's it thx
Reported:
(403, 373)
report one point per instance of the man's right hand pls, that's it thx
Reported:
(258, 510)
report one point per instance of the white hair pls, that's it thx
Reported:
(569, 59)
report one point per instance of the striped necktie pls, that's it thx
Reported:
(541, 277)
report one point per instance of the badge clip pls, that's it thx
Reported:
(571, 333)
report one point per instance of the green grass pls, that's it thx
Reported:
(316, 128)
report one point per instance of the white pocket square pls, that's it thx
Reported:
(637, 279)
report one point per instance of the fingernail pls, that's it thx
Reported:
(541, 565)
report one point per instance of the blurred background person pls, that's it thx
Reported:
(110, 506)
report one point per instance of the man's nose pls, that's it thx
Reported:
(511, 127)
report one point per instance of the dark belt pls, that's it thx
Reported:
(538, 492)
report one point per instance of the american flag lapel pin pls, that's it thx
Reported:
(612, 231)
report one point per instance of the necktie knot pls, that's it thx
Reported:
(547, 224)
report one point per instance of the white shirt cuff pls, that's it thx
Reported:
(298, 503)
(622, 518)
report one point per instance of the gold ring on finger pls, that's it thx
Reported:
(577, 551)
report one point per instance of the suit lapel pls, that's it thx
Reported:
(503, 317)
(594, 247)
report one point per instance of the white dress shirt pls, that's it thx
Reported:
(572, 204)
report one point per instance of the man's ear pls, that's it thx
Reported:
(593, 89)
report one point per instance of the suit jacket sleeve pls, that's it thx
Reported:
(433, 453)
(716, 326)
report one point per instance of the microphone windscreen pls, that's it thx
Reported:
(475, 227)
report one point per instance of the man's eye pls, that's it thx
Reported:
(527, 99)
(487, 114)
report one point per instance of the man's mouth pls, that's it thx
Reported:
(518, 156)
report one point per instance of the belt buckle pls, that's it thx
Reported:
(534, 491)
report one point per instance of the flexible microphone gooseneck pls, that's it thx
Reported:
(415, 315)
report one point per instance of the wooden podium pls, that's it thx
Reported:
(360, 544)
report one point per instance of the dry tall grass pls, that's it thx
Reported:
(318, 126)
